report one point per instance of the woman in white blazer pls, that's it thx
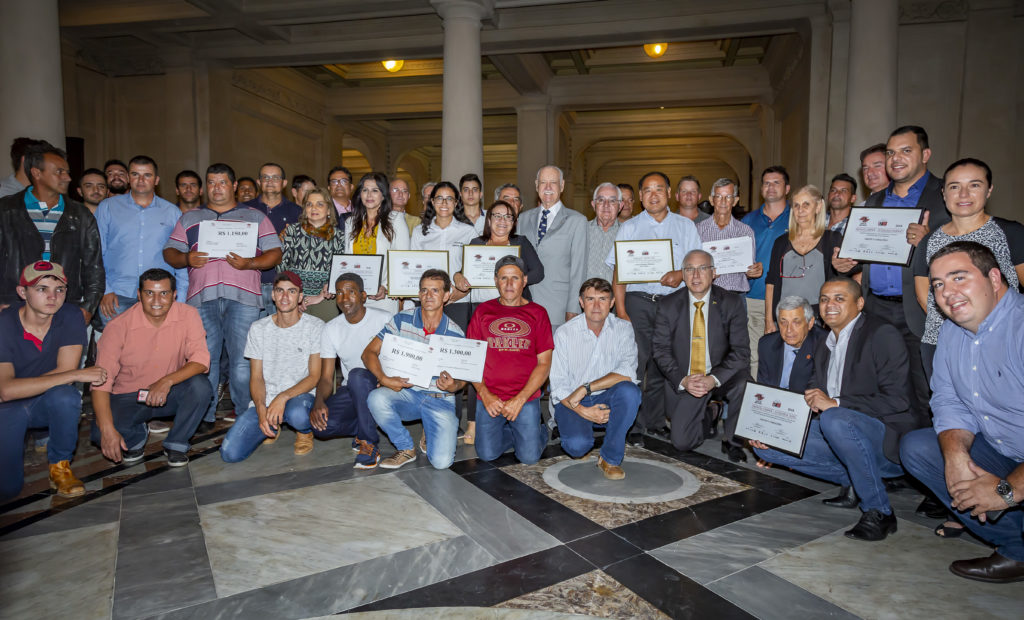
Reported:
(373, 228)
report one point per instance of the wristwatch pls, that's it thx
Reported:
(1005, 490)
(587, 387)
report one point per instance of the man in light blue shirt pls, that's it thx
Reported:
(134, 227)
(638, 303)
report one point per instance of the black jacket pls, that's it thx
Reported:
(769, 359)
(75, 246)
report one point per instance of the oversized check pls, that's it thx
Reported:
(406, 266)
(734, 255)
(879, 235)
(461, 357)
(404, 357)
(478, 262)
(642, 261)
(366, 266)
(777, 418)
(218, 238)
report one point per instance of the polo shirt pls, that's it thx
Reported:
(67, 328)
(44, 218)
(766, 231)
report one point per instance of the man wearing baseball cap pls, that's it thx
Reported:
(41, 344)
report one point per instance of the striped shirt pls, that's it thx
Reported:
(581, 357)
(44, 218)
(599, 243)
(217, 279)
(409, 324)
(709, 231)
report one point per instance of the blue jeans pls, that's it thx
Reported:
(526, 434)
(245, 436)
(437, 410)
(58, 409)
(922, 456)
(577, 433)
(227, 325)
(348, 412)
(266, 290)
(123, 303)
(845, 447)
(186, 402)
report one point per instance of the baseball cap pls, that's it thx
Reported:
(291, 276)
(39, 270)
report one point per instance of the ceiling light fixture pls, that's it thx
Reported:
(655, 50)
(392, 65)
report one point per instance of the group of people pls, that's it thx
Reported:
(667, 359)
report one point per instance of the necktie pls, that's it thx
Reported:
(543, 228)
(698, 341)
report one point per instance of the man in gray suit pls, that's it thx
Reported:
(560, 236)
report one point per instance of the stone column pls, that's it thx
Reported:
(535, 137)
(30, 75)
(462, 128)
(871, 82)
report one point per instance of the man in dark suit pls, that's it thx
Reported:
(789, 352)
(858, 387)
(700, 342)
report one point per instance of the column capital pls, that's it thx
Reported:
(530, 102)
(464, 9)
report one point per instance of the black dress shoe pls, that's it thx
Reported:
(736, 453)
(847, 498)
(873, 525)
(660, 433)
(931, 508)
(895, 484)
(205, 427)
(993, 569)
(635, 439)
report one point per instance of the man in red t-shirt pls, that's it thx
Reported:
(519, 346)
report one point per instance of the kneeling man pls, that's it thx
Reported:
(593, 376)
(155, 355)
(973, 460)
(519, 344)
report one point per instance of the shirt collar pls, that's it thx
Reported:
(553, 211)
(914, 190)
(844, 333)
(706, 297)
(1005, 306)
(31, 200)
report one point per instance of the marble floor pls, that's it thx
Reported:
(285, 536)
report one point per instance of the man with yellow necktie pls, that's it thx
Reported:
(701, 344)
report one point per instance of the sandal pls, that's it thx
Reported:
(470, 436)
(949, 531)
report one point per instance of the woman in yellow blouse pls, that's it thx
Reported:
(373, 228)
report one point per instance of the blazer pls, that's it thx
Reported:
(727, 336)
(563, 252)
(875, 377)
(769, 354)
(931, 200)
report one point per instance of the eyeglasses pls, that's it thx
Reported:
(443, 200)
(700, 268)
(267, 178)
(722, 196)
(339, 182)
(508, 217)
(400, 191)
(607, 201)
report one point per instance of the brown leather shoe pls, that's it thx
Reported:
(611, 472)
(64, 482)
(993, 569)
(303, 443)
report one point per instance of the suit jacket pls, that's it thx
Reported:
(934, 204)
(875, 377)
(769, 355)
(727, 336)
(563, 252)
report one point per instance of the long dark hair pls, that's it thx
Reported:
(359, 215)
(429, 213)
(486, 236)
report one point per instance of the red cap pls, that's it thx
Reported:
(39, 270)
(292, 277)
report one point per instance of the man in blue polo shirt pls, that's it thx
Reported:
(41, 344)
(769, 222)
(271, 182)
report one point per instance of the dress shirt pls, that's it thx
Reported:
(133, 239)
(766, 231)
(888, 279)
(840, 226)
(478, 225)
(788, 357)
(552, 213)
(978, 378)
(679, 229)
(599, 243)
(581, 357)
(837, 360)
(340, 209)
(449, 239)
(706, 309)
(709, 231)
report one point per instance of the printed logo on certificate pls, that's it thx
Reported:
(777, 418)
(478, 262)
(879, 235)
(366, 266)
(642, 261)
(406, 266)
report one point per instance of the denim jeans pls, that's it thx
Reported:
(58, 409)
(436, 409)
(186, 402)
(266, 290)
(577, 433)
(245, 436)
(227, 325)
(845, 447)
(525, 434)
(123, 303)
(347, 410)
(922, 456)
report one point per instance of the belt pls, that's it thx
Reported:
(646, 296)
(892, 298)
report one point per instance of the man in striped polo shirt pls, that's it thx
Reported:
(226, 291)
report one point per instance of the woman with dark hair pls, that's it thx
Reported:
(373, 228)
(307, 248)
(444, 227)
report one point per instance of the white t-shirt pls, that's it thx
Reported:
(284, 351)
(344, 340)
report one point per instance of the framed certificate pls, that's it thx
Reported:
(406, 266)
(478, 262)
(879, 235)
(366, 266)
(777, 418)
(218, 238)
(637, 262)
(733, 255)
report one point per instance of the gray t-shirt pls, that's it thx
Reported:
(803, 275)
(284, 351)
